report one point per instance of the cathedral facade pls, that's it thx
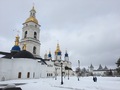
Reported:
(24, 60)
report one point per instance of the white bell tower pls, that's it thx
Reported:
(31, 34)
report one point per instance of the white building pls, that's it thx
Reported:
(55, 64)
(24, 61)
(98, 72)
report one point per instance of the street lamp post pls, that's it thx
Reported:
(68, 74)
(61, 74)
(78, 69)
(55, 73)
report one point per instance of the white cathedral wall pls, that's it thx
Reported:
(5, 68)
(50, 68)
(98, 73)
(43, 73)
(9, 68)
(24, 66)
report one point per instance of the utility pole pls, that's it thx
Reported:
(79, 69)
(79, 63)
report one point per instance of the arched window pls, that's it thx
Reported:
(28, 75)
(35, 35)
(19, 75)
(25, 34)
(33, 74)
(34, 50)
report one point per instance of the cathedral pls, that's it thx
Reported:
(24, 60)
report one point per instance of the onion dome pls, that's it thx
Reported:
(16, 47)
(32, 17)
(49, 55)
(58, 51)
(66, 54)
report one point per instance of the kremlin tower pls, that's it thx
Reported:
(31, 34)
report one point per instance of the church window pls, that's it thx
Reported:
(28, 75)
(47, 74)
(33, 74)
(35, 35)
(25, 34)
(34, 50)
(19, 75)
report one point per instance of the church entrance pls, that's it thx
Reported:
(19, 75)
(28, 75)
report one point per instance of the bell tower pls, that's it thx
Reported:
(31, 34)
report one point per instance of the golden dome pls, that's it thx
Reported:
(57, 49)
(32, 19)
(17, 40)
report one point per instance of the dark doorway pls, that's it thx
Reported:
(28, 75)
(19, 75)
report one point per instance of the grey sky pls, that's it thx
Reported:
(88, 29)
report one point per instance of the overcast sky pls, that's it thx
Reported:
(88, 29)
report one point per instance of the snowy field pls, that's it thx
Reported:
(85, 83)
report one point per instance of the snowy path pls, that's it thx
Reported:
(85, 83)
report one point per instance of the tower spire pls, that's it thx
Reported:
(57, 49)
(32, 17)
(16, 47)
(32, 12)
(58, 52)
(49, 55)
(66, 55)
(17, 41)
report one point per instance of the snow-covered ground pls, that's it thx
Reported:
(85, 83)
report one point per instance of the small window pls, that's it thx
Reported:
(25, 34)
(35, 35)
(34, 50)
